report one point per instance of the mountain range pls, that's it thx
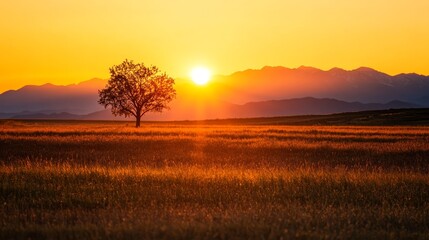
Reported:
(270, 91)
(363, 84)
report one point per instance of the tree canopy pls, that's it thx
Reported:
(134, 89)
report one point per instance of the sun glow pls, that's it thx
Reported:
(200, 75)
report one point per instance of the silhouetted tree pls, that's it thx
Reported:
(134, 89)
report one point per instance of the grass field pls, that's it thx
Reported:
(107, 180)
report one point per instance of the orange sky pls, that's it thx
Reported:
(70, 41)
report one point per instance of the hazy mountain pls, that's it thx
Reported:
(363, 84)
(62, 116)
(76, 98)
(307, 106)
(241, 94)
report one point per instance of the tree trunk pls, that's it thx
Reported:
(138, 121)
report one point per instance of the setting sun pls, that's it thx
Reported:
(200, 75)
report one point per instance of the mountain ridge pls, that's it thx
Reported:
(362, 84)
(363, 68)
(225, 92)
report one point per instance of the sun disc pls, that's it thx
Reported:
(200, 75)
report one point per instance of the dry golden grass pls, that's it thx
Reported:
(97, 180)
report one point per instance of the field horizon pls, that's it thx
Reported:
(388, 117)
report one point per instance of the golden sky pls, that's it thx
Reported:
(69, 41)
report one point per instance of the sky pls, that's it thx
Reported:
(70, 41)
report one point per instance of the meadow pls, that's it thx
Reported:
(109, 180)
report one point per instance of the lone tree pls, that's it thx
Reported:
(134, 89)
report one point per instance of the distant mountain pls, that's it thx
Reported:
(310, 106)
(365, 85)
(56, 116)
(289, 107)
(105, 114)
(249, 93)
(76, 98)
